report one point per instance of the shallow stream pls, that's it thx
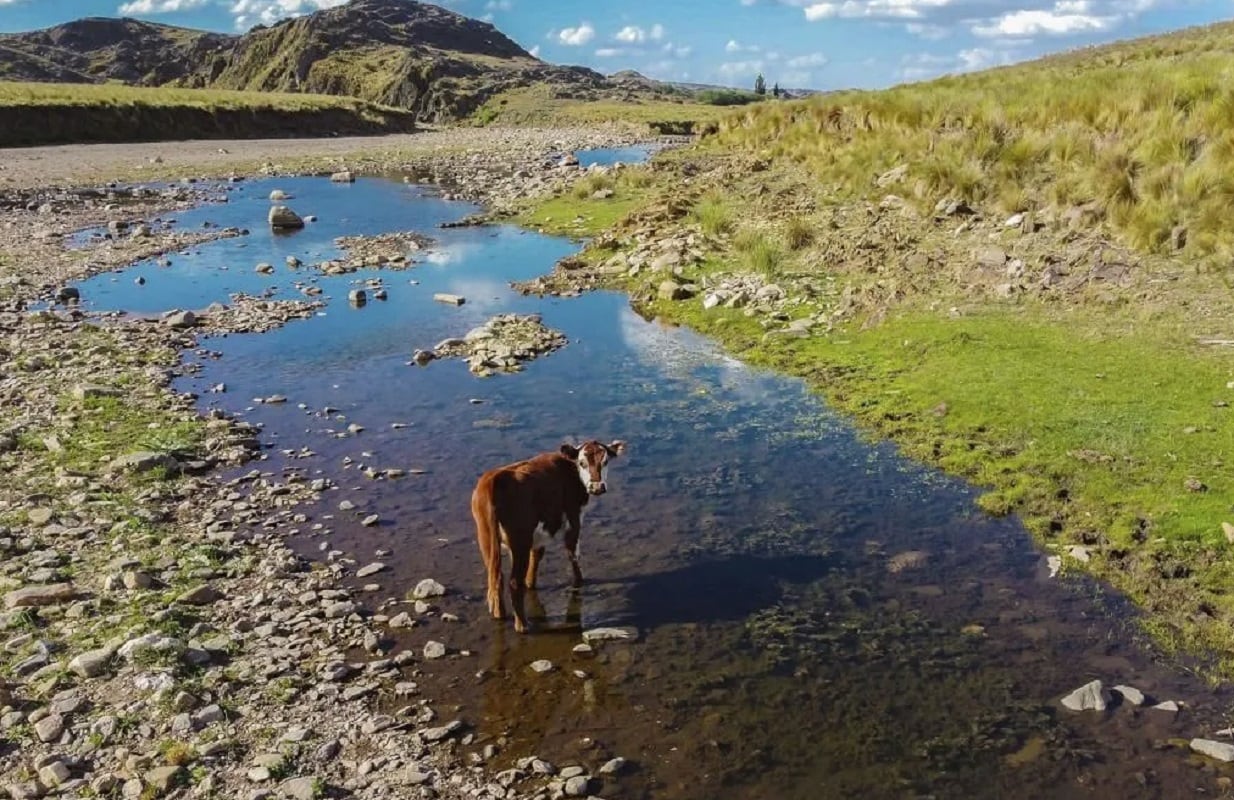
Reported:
(817, 616)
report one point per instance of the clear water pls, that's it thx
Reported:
(608, 156)
(788, 647)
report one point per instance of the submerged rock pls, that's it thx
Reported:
(1089, 697)
(1222, 751)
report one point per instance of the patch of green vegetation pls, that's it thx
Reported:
(760, 251)
(714, 214)
(728, 97)
(583, 212)
(541, 105)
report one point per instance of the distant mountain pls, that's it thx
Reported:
(402, 53)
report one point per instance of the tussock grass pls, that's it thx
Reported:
(1144, 137)
(762, 252)
(798, 233)
(591, 184)
(714, 215)
(116, 95)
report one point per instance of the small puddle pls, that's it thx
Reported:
(608, 156)
(817, 616)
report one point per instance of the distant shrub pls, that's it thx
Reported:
(727, 97)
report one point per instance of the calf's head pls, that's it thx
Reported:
(592, 460)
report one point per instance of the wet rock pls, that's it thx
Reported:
(577, 786)
(613, 766)
(423, 357)
(346, 176)
(542, 665)
(449, 299)
(68, 295)
(437, 734)
(1089, 697)
(1131, 695)
(434, 650)
(609, 634)
(370, 520)
(357, 297)
(1221, 751)
(46, 595)
(427, 588)
(908, 560)
(283, 218)
(279, 195)
(371, 569)
(1168, 706)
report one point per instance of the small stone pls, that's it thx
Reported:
(163, 779)
(437, 734)
(1195, 485)
(1228, 530)
(427, 588)
(265, 269)
(341, 609)
(542, 665)
(613, 766)
(50, 728)
(434, 650)
(1131, 694)
(371, 569)
(303, 788)
(370, 520)
(1089, 697)
(1168, 706)
(577, 786)
(1218, 750)
(91, 663)
(54, 774)
(607, 634)
(202, 595)
(357, 297)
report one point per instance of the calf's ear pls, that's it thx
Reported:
(616, 448)
(570, 452)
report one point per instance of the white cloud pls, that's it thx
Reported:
(796, 79)
(807, 61)
(735, 46)
(631, 33)
(268, 12)
(927, 31)
(609, 52)
(677, 50)
(577, 37)
(1033, 23)
(499, 5)
(535, 51)
(157, 6)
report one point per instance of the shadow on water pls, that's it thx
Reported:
(718, 590)
(837, 623)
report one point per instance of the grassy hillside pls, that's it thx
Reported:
(546, 105)
(1022, 276)
(46, 113)
(1143, 135)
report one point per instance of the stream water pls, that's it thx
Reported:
(817, 616)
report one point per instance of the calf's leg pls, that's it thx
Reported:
(518, 585)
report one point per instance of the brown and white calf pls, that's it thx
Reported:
(524, 506)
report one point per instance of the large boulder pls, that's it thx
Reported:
(283, 218)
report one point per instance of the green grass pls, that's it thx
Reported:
(578, 213)
(540, 105)
(18, 95)
(714, 215)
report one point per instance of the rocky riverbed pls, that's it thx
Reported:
(160, 638)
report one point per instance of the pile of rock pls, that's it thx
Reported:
(388, 250)
(503, 344)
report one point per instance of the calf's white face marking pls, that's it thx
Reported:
(592, 463)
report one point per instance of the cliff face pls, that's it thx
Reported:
(402, 53)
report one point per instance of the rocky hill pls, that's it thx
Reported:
(401, 53)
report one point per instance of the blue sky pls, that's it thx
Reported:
(820, 44)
